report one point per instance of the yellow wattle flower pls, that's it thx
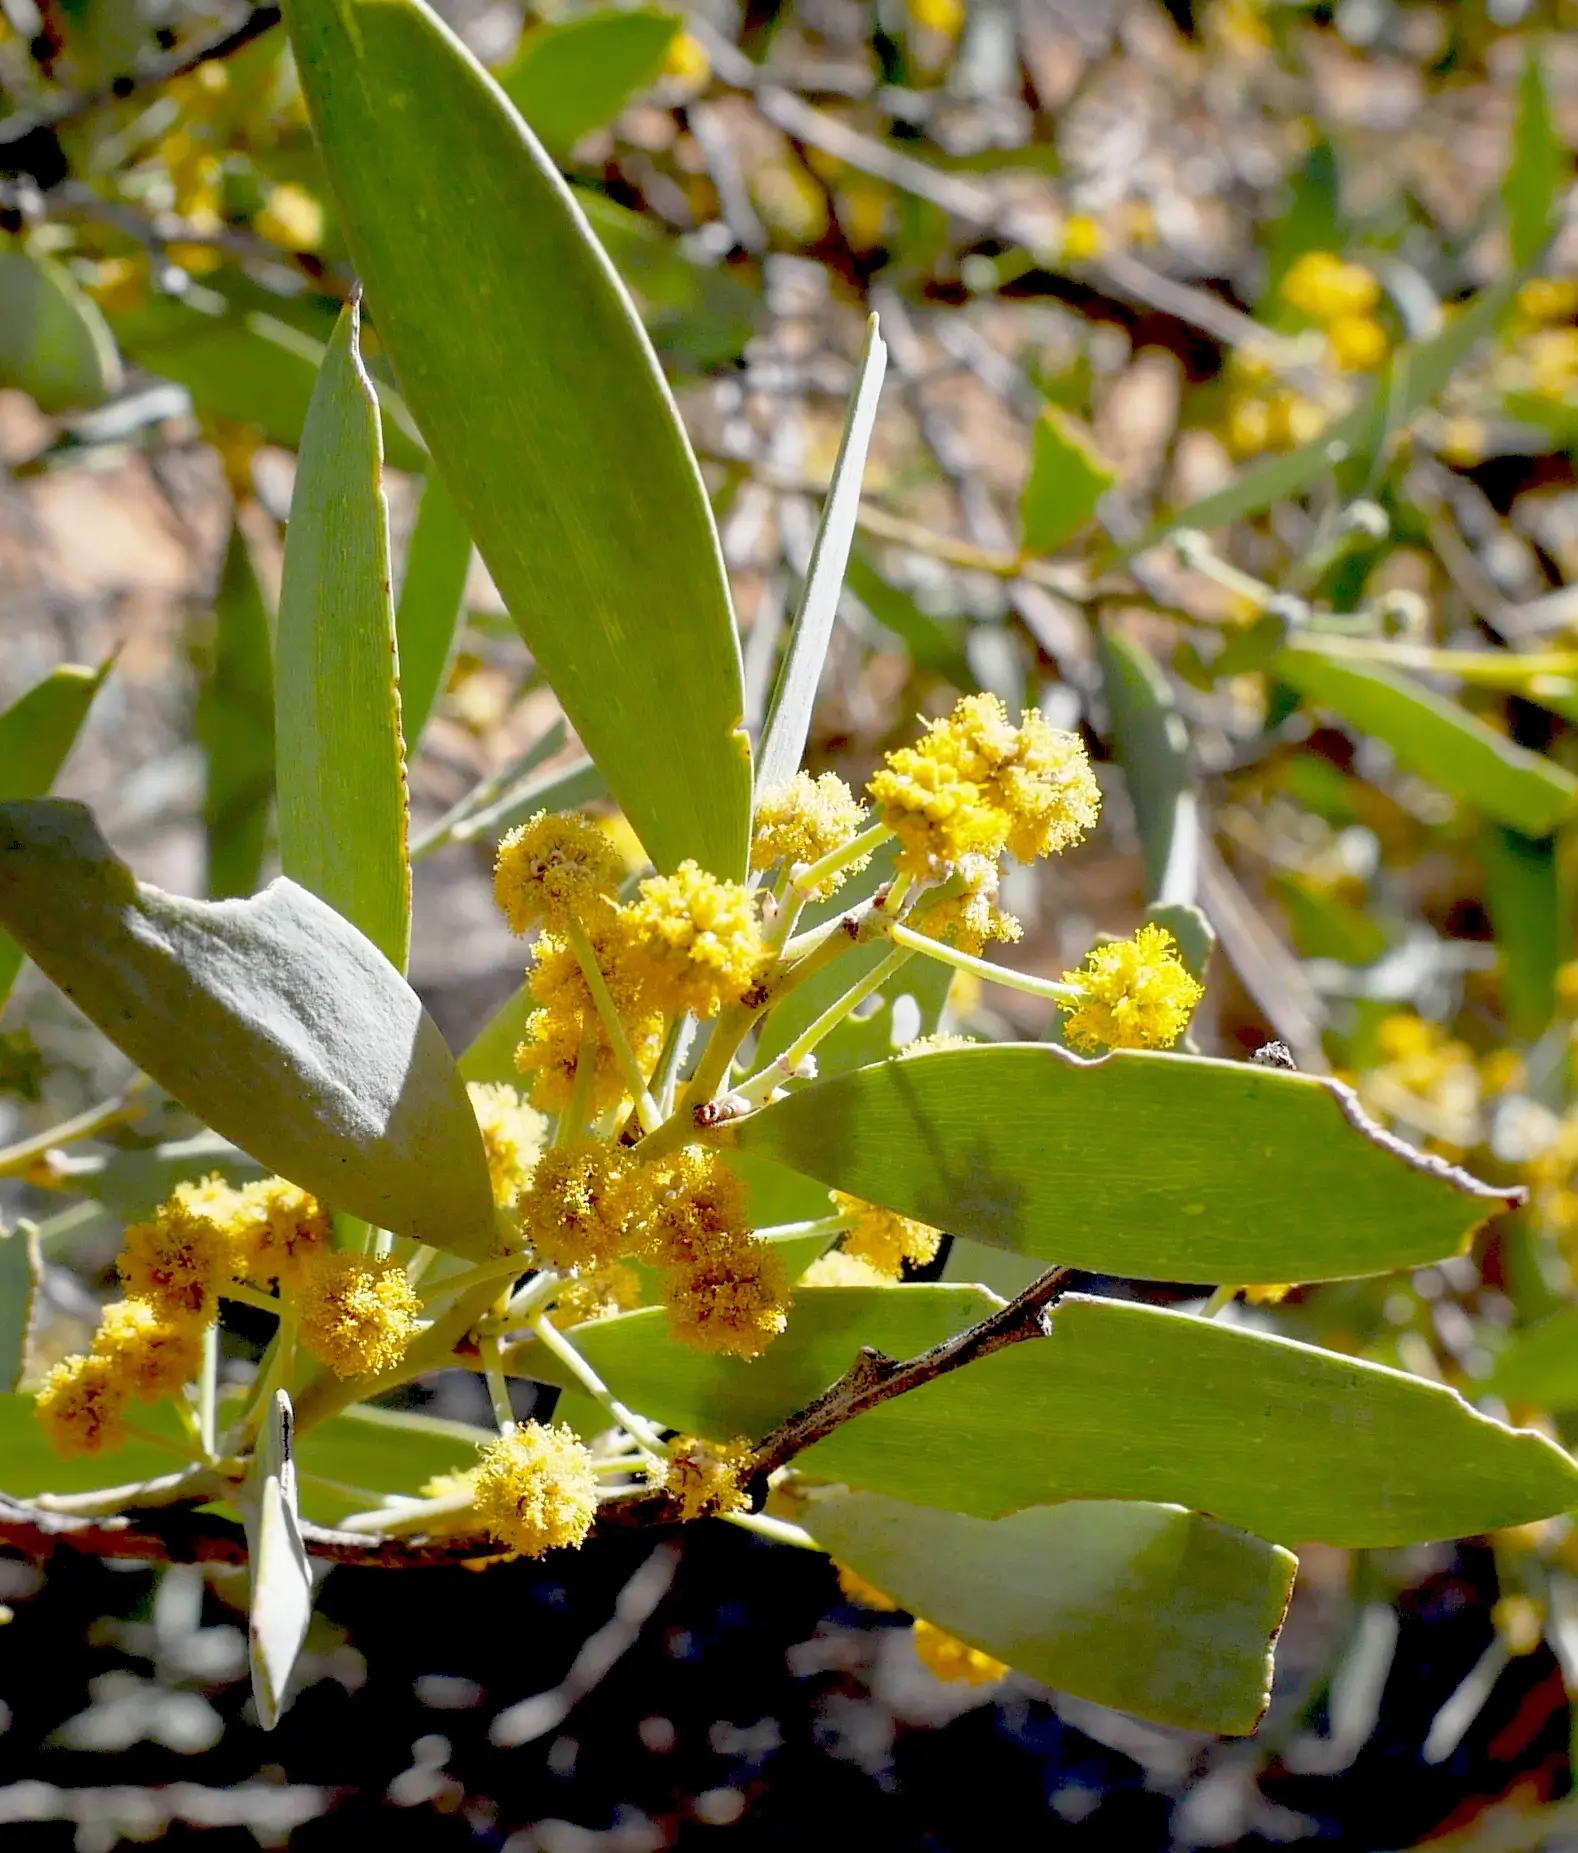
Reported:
(1135, 994)
(697, 940)
(155, 1355)
(358, 1312)
(704, 1476)
(512, 1137)
(804, 820)
(81, 1404)
(554, 868)
(883, 1239)
(535, 1490)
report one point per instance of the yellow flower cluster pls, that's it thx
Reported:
(838, 1268)
(1428, 1081)
(1262, 416)
(358, 1312)
(595, 1293)
(966, 914)
(883, 1240)
(512, 1137)
(952, 1659)
(974, 785)
(554, 868)
(1134, 994)
(1553, 1181)
(698, 942)
(592, 1202)
(1343, 298)
(704, 1476)
(567, 1020)
(137, 1352)
(804, 820)
(535, 1491)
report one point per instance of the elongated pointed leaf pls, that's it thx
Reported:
(1540, 1364)
(569, 79)
(37, 733)
(1147, 1608)
(1153, 749)
(653, 1372)
(1523, 895)
(1437, 738)
(1163, 1166)
(21, 1271)
(1129, 1402)
(341, 771)
(789, 722)
(272, 1019)
(1531, 191)
(235, 727)
(542, 402)
(54, 342)
(281, 1603)
(431, 603)
(1067, 480)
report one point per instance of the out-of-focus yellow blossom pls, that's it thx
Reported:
(704, 1476)
(1502, 1071)
(945, 16)
(1322, 286)
(1549, 357)
(1549, 299)
(535, 1490)
(358, 1312)
(1358, 342)
(1295, 420)
(1272, 1294)
(1520, 1621)
(1137, 994)
(1426, 1079)
(155, 1355)
(290, 218)
(975, 785)
(687, 61)
(81, 1405)
(1083, 239)
(697, 941)
(512, 1137)
(952, 1659)
(883, 1239)
(120, 284)
(1553, 1182)
(554, 868)
(179, 1260)
(867, 1595)
(805, 819)
(567, 1011)
(585, 1202)
(281, 1231)
(839, 1268)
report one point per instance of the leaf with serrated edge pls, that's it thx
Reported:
(272, 1019)
(281, 1603)
(1160, 1166)
(1147, 1608)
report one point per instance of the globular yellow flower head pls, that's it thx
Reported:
(554, 868)
(81, 1405)
(536, 1491)
(969, 918)
(696, 1213)
(885, 1240)
(952, 1659)
(704, 1476)
(567, 1013)
(1136, 994)
(1324, 287)
(1358, 342)
(512, 1136)
(698, 940)
(975, 785)
(596, 1293)
(154, 1355)
(583, 1202)
(734, 1306)
(180, 1259)
(804, 820)
(281, 1231)
(358, 1312)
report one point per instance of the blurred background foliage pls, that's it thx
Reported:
(1232, 420)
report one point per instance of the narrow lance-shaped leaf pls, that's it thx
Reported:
(281, 1604)
(568, 79)
(1067, 480)
(1435, 737)
(37, 733)
(273, 1020)
(1523, 895)
(432, 600)
(1163, 1166)
(543, 404)
(789, 721)
(21, 1271)
(1531, 191)
(235, 727)
(1153, 749)
(1147, 1608)
(1122, 1401)
(54, 342)
(341, 759)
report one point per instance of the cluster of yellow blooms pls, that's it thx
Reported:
(1135, 994)
(593, 1202)
(805, 819)
(883, 1241)
(1342, 298)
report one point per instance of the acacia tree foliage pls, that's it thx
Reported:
(1103, 1493)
